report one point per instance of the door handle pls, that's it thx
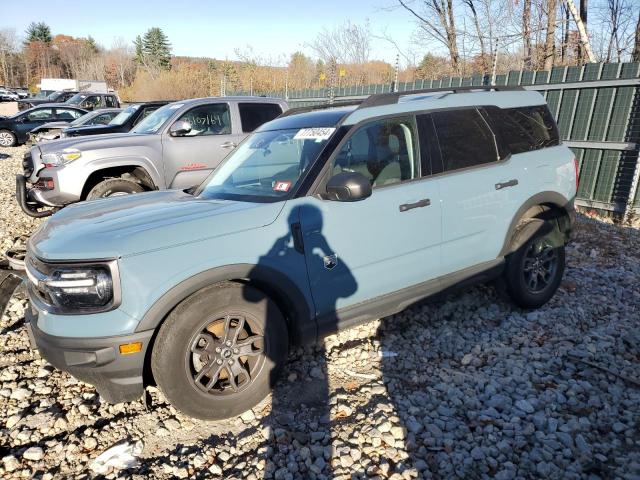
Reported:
(228, 145)
(425, 202)
(510, 183)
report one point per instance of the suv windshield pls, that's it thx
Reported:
(267, 165)
(77, 98)
(84, 118)
(154, 122)
(124, 115)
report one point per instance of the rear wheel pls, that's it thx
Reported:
(7, 139)
(534, 272)
(219, 352)
(114, 187)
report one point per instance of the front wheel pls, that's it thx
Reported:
(7, 139)
(219, 352)
(114, 187)
(533, 272)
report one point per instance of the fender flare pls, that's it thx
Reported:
(547, 197)
(119, 162)
(277, 285)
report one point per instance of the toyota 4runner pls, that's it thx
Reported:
(319, 220)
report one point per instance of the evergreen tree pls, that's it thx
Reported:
(156, 48)
(139, 50)
(38, 32)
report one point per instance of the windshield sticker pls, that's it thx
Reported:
(317, 134)
(282, 186)
(176, 105)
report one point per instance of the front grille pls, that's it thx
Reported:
(27, 164)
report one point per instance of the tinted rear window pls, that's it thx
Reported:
(252, 115)
(524, 129)
(465, 139)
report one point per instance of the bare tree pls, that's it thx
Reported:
(8, 56)
(526, 33)
(636, 43)
(347, 43)
(443, 30)
(481, 35)
(550, 42)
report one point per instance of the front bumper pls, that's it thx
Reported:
(97, 361)
(30, 200)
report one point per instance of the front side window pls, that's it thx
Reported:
(211, 119)
(40, 114)
(465, 139)
(252, 115)
(92, 101)
(110, 101)
(267, 166)
(526, 128)
(384, 151)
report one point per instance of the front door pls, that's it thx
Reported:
(31, 120)
(188, 159)
(358, 251)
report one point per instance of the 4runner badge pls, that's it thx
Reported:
(330, 261)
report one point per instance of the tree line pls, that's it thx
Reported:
(451, 37)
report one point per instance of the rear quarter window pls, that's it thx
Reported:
(524, 129)
(252, 115)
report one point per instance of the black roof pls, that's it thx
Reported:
(329, 117)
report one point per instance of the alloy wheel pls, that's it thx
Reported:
(226, 355)
(540, 266)
(6, 139)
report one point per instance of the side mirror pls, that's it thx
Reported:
(180, 128)
(348, 187)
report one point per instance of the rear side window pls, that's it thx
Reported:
(524, 129)
(252, 115)
(465, 139)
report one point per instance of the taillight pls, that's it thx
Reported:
(577, 168)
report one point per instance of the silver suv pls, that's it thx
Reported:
(177, 146)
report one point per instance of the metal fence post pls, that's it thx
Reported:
(629, 211)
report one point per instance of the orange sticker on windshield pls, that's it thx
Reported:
(282, 186)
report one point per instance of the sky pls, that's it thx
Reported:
(215, 29)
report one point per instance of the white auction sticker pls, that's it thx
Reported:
(314, 133)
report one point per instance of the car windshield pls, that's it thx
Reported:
(267, 166)
(54, 96)
(153, 123)
(77, 98)
(85, 118)
(124, 115)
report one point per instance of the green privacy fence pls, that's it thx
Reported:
(595, 105)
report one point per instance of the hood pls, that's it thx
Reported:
(134, 224)
(50, 125)
(91, 142)
(93, 129)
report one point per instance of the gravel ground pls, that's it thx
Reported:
(468, 387)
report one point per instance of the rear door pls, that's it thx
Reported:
(190, 158)
(363, 250)
(67, 114)
(476, 182)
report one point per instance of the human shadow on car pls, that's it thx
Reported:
(299, 420)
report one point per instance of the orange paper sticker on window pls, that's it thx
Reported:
(282, 186)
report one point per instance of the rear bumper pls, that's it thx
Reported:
(97, 361)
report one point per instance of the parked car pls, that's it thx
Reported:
(318, 221)
(52, 130)
(125, 121)
(15, 130)
(21, 92)
(176, 146)
(59, 96)
(8, 96)
(93, 101)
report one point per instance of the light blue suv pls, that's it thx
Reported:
(321, 219)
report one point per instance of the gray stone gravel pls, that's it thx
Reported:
(478, 389)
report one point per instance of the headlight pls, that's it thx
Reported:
(61, 158)
(74, 288)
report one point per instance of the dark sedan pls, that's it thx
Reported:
(125, 121)
(52, 130)
(15, 130)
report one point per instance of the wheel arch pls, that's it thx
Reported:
(138, 173)
(547, 205)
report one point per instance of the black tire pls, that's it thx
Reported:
(8, 139)
(114, 187)
(176, 361)
(522, 273)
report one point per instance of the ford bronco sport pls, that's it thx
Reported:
(319, 220)
(175, 146)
